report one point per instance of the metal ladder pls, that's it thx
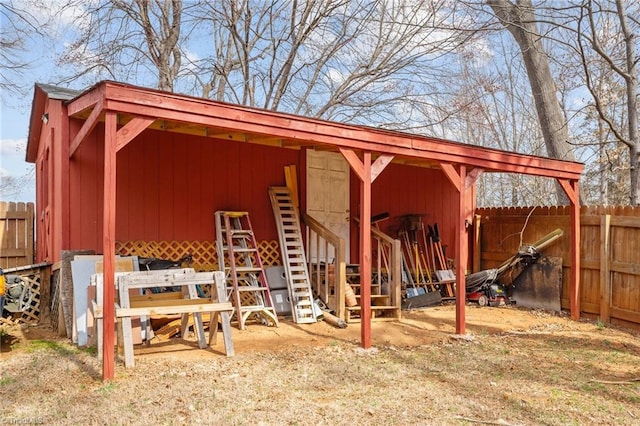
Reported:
(239, 259)
(293, 257)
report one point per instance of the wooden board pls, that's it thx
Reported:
(66, 288)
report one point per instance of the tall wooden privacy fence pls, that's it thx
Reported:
(609, 253)
(16, 234)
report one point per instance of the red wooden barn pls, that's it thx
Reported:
(117, 164)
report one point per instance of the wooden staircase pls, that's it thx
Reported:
(382, 307)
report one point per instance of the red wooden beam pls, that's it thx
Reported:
(354, 162)
(108, 246)
(235, 118)
(379, 165)
(473, 176)
(86, 128)
(462, 253)
(131, 130)
(410, 145)
(572, 193)
(452, 174)
(367, 173)
(86, 100)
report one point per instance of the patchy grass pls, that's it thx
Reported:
(565, 374)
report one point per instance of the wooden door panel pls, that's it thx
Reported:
(328, 194)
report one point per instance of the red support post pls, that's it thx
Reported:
(575, 252)
(462, 254)
(108, 246)
(365, 252)
(572, 189)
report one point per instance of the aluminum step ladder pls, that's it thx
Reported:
(293, 257)
(239, 259)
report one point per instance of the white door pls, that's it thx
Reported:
(328, 196)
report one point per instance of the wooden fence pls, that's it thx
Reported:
(609, 253)
(16, 234)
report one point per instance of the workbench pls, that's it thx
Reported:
(184, 301)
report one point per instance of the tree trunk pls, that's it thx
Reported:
(519, 19)
(634, 157)
(631, 79)
(602, 166)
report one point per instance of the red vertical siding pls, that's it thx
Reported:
(235, 168)
(42, 196)
(170, 185)
(123, 176)
(150, 207)
(401, 190)
(208, 175)
(51, 190)
(85, 189)
(196, 163)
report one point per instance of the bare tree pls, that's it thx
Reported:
(162, 38)
(519, 19)
(126, 40)
(621, 59)
(19, 27)
(493, 110)
(355, 61)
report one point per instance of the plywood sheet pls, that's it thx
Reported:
(540, 285)
(82, 267)
(81, 271)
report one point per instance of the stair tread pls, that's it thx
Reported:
(375, 307)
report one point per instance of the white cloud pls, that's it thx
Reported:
(57, 15)
(12, 147)
(335, 76)
(191, 59)
(17, 177)
(12, 154)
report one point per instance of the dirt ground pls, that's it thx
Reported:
(417, 327)
(514, 366)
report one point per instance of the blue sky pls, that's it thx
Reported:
(14, 127)
(15, 109)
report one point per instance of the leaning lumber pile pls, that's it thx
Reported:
(427, 273)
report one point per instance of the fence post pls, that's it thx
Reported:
(605, 275)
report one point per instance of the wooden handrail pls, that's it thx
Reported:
(335, 301)
(320, 229)
(387, 248)
(394, 265)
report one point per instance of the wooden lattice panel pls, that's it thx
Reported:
(269, 253)
(31, 312)
(203, 252)
(55, 300)
(30, 305)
